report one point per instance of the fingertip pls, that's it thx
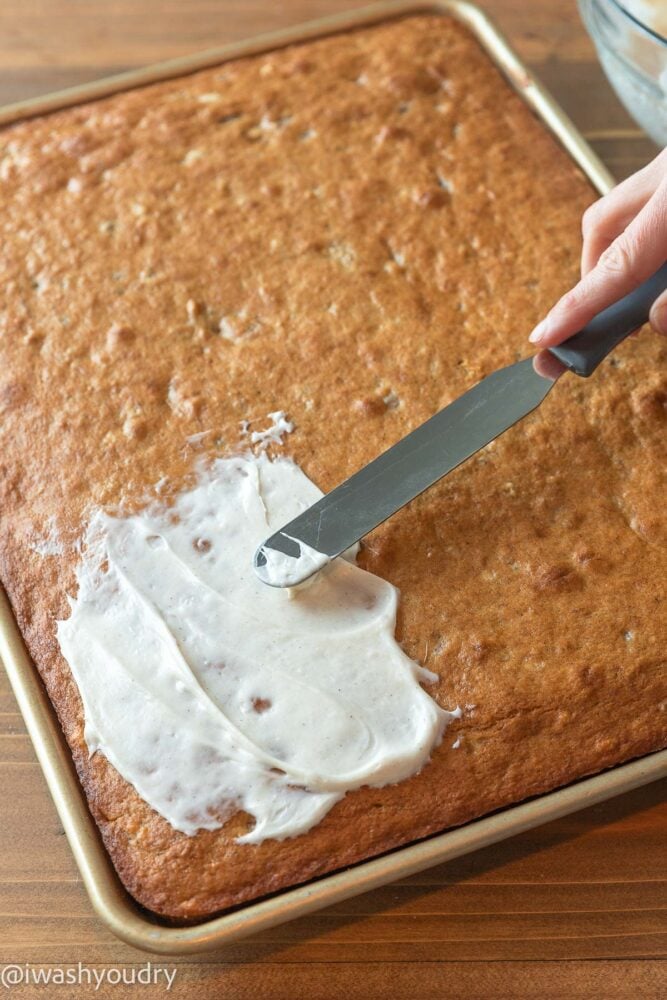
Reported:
(540, 331)
(658, 316)
(548, 365)
(553, 328)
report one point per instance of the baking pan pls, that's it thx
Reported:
(110, 900)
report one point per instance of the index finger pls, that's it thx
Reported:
(632, 258)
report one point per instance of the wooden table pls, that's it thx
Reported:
(574, 909)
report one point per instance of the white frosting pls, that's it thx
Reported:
(49, 543)
(273, 434)
(282, 570)
(211, 692)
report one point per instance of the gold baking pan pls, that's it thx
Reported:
(110, 900)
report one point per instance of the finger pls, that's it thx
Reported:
(632, 258)
(548, 365)
(605, 229)
(606, 219)
(658, 317)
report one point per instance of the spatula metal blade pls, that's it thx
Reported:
(401, 473)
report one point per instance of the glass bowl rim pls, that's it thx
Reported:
(651, 32)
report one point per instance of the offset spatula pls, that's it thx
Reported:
(424, 456)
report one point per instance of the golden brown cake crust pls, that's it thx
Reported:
(353, 230)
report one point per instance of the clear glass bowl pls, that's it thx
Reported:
(634, 56)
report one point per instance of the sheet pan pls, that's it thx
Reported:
(108, 897)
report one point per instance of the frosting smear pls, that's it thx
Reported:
(209, 691)
(282, 570)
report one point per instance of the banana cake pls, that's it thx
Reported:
(347, 232)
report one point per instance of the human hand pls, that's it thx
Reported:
(625, 242)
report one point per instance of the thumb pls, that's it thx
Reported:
(658, 317)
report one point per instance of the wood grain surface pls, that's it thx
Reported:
(576, 908)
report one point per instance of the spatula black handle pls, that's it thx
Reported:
(584, 351)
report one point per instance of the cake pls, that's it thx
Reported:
(352, 230)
